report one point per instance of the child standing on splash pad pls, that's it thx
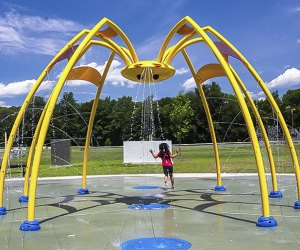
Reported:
(166, 157)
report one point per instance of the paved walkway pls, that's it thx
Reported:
(197, 214)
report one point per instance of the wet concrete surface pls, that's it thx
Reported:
(198, 214)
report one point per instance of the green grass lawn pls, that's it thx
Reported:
(235, 158)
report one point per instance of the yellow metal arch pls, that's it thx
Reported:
(49, 111)
(209, 71)
(130, 48)
(167, 55)
(272, 103)
(186, 27)
(245, 111)
(71, 76)
(179, 47)
(32, 150)
(204, 37)
(24, 108)
(168, 39)
(91, 121)
(262, 129)
(208, 116)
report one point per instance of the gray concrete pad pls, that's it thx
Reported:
(198, 214)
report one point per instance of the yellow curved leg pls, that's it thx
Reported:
(47, 118)
(90, 126)
(246, 114)
(262, 128)
(124, 38)
(37, 131)
(185, 42)
(168, 38)
(24, 108)
(209, 119)
(272, 103)
(32, 149)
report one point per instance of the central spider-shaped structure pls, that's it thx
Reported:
(190, 33)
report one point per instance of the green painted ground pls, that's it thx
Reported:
(235, 158)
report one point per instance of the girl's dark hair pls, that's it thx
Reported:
(164, 150)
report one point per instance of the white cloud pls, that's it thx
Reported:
(298, 40)
(189, 84)
(114, 77)
(33, 34)
(289, 78)
(181, 71)
(37, 23)
(77, 83)
(260, 95)
(23, 87)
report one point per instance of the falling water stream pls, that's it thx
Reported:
(148, 101)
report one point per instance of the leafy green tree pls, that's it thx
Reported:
(199, 129)
(120, 115)
(291, 110)
(181, 116)
(67, 121)
(266, 111)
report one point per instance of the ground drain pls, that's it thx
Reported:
(151, 206)
(156, 243)
(146, 187)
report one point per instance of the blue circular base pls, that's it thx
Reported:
(266, 222)
(30, 226)
(155, 243)
(82, 191)
(297, 205)
(275, 194)
(3, 211)
(151, 206)
(146, 187)
(220, 188)
(23, 198)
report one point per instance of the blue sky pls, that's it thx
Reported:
(32, 32)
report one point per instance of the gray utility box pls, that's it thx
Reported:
(60, 152)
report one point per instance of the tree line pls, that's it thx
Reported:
(181, 118)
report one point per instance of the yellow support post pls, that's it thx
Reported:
(168, 39)
(22, 111)
(274, 106)
(24, 197)
(180, 47)
(275, 191)
(219, 186)
(84, 190)
(125, 39)
(32, 224)
(169, 57)
(113, 47)
(266, 218)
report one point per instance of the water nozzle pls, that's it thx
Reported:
(155, 76)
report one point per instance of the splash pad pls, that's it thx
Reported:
(190, 33)
(196, 214)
